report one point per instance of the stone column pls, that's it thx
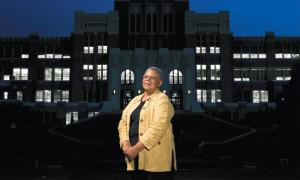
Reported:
(188, 60)
(114, 77)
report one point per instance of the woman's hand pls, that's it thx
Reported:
(125, 146)
(133, 151)
(129, 151)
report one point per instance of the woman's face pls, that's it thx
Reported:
(151, 80)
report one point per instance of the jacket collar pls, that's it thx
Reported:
(151, 97)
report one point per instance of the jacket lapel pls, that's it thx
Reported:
(150, 98)
(137, 102)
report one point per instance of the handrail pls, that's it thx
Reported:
(223, 121)
(72, 139)
(252, 131)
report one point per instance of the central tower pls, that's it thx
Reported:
(151, 24)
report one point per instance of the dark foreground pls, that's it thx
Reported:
(205, 173)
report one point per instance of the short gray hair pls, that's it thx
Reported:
(156, 69)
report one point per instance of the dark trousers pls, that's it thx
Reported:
(146, 175)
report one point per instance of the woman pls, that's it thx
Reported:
(146, 132)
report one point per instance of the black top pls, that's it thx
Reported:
(134, 124)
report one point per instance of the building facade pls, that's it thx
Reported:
(98, 68)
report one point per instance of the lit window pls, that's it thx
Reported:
(48, 74)
(287, 56)
(264, 96)
(262, 56)
(215, 50)
(295, 56)
(253, 56)
(20, 95)
(71, 117)
(25, 56)
(236, 56)
(102, 72)
(47, 96)
(260, 96)
(201, 71)
(57, 74)
(20, 73)
(88, 49)
(60, 74)
(68, 118)
(175, 77)
(88, 72)
(87, 78)
(215, 72)
(92, 114)
(58, 56)
(65, 96)
(5, 95)
(278, 55)
(283, 74)
(212, 50)
(200, 50)
(105, 49)
(176, 99)
(49, 56)
(66, 57)
(215, 95)
(61, 96)
(39, 96)
(43, 96)
(102, 49)
(88, 67)
(127, 77)
(201, 95)
(41, 56)
(281, 78)
(66, 74)
(245, 56)
(256, 97)
(75, 116)
(6, 77)
(242, 74)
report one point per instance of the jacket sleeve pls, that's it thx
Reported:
(122, 126)
(164, 112)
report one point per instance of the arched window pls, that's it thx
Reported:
(171, 23)
(126, 97)
(154, 23)
(138, 23)
(148, 23)
(175, 77)
(127, 77)
(132, 23)
(165, 23)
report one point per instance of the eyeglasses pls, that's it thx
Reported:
(150, 78)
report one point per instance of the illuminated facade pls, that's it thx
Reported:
(99, 67)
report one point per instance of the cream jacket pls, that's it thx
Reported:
(155, 132)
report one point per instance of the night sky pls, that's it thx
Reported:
(55, 17)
